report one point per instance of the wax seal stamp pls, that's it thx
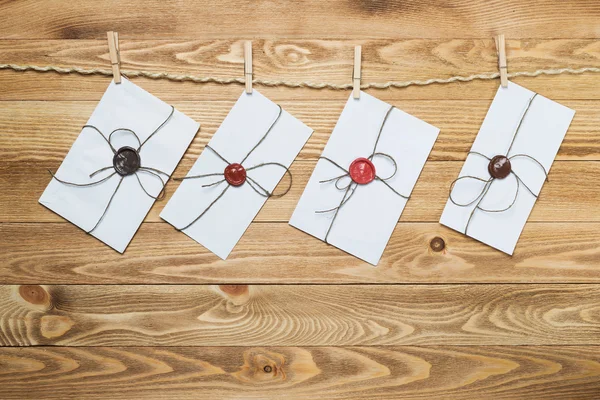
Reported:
(362, 171)
(499, 167)
(235, 174)
(126, 161)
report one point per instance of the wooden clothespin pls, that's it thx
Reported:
(248, 66)
(501, 49)
(114, 54)
(356, 73)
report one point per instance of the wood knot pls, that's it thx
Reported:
(234, 290)
(292, 365)
(54, 326)
(261, 366)
(34, 294)
(236, 295)
(437, 244)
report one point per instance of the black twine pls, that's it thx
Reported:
(254, 185)
(147, 170)
(488, 182)
(350, 188)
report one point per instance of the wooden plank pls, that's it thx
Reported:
(292, 315)
(278, 253)
(570, 196)
(42, 131)
(300, 61)
(409, 372)
(152, 18)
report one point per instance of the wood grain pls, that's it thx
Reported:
(324, 315)
(278, 253)
(355, 19)
(299, 61)
(409, 372)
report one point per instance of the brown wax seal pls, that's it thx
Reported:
(235, 174)
(499, 167)
(126, 161)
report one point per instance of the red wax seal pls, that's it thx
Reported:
(499, 167)
(235, 174)
(362, 171)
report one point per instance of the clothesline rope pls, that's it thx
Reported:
(291, 84)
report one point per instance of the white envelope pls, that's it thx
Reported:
(222, 226)
(365, 223)
(122, 106)
(542, 131)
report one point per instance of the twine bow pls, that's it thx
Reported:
(257, 187)
(488, 182)
(350, 188)
(126, 162)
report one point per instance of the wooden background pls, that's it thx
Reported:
(286, 315)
